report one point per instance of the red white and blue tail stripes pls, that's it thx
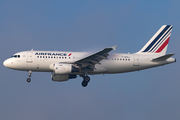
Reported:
(158, 43)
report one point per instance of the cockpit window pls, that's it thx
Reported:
(16, 56)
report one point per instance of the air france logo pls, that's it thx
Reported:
(70, 54)
(53, 54)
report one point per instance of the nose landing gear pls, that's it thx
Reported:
(29, 79)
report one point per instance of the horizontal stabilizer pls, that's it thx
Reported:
(162, 58)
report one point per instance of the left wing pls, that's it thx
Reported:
(95, 58)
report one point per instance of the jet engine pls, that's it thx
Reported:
(63, 69)
(63, 72)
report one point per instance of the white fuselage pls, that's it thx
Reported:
(67, 65)
(41, 61)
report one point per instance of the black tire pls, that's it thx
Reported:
(84, 83)
(87, 78)
(29, 80)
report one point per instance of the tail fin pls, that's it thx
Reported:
(159, 42)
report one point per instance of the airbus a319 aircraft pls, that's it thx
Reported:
(67, 65)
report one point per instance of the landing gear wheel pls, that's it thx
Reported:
(29, 74)
(87, 78)
(84, 83)
(29, 80)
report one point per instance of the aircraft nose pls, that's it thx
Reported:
(5, 63)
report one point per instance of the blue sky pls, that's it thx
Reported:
(84, 25)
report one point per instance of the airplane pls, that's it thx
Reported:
(68, 65)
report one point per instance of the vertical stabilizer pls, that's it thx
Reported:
(159, 42)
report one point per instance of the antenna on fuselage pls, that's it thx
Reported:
(32, 49)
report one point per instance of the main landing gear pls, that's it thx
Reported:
(85, 81)
(29, 79)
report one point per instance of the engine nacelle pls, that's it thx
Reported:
(61, 78)
(63, 69)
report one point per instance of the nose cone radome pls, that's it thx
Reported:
(5, 63)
